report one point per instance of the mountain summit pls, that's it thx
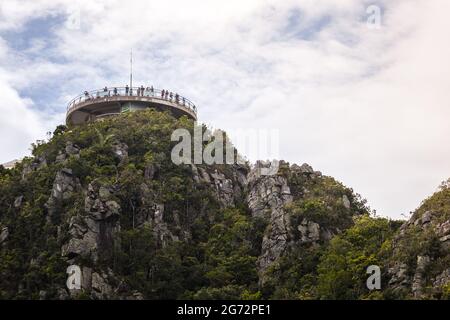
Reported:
(105, 200)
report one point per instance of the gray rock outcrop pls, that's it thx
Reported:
(266, 199)
(4, 234)
(64, 186)
(228, 189)
(309, 231)
(120, 150)
(418, 281)
(415, 279)
(92, 233)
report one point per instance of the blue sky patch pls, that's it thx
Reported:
(299, 27)
(41, 28)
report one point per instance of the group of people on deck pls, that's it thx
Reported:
(141, 92)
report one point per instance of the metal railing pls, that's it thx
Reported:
(149, 92)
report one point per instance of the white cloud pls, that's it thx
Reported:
(19, 126)
(20, 122)
(369, 107)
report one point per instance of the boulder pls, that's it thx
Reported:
(346, 201)
(71, 149)
(443, 229)
(204, 176)
(42, 295)
(426, 218)
(195, 174)
(309, 231)
(306, 168)
(61, 157)
(100, 287)
(83, 239)
(442, 279)
(4, 234)
(18, 202)
(399, 276)
(65, 186)
(120, 150)
(62, 294)
(38, 163)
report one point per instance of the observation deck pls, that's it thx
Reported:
(97, 104)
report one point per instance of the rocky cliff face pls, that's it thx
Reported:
(267, 198)
(275, 198)
(420, 264)
(109, 200)
(89, 233)
(92, 233)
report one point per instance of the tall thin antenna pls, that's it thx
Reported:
(131, 69)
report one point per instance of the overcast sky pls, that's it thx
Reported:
(369, 106)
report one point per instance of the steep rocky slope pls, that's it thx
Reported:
(420, 262)
(107, 198)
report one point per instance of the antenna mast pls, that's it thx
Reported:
(131, 69)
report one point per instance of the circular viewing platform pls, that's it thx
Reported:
(98, 104)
